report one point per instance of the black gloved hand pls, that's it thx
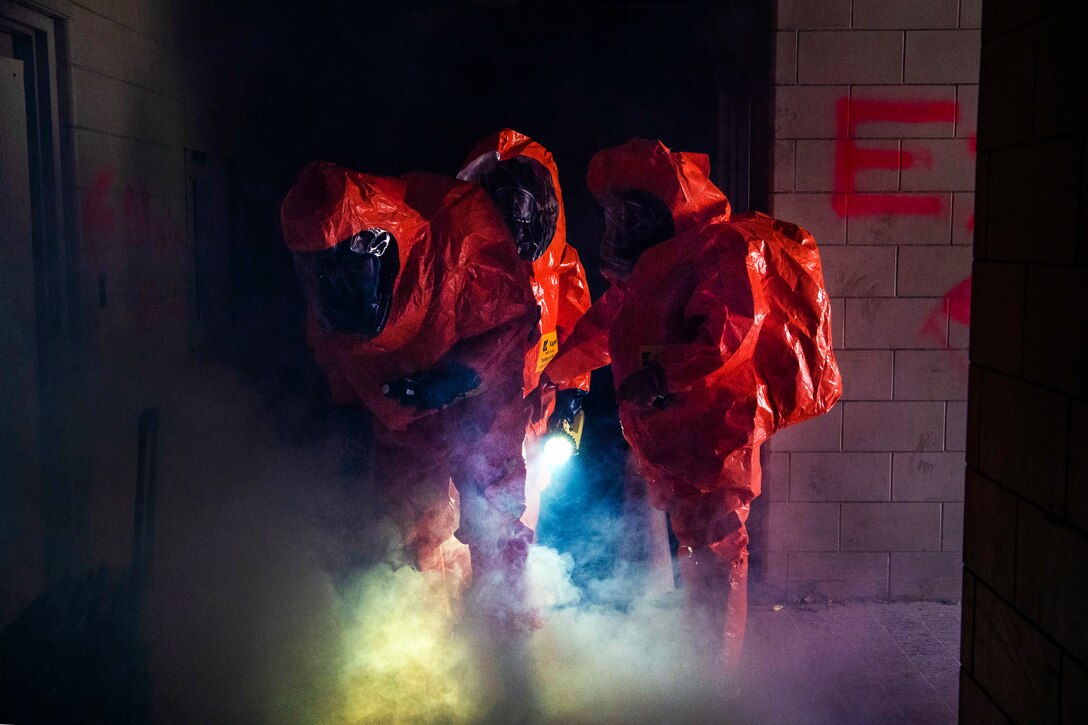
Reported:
(434, 389)
(568, 403)
(568, 418)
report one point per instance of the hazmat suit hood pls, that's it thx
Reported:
(681, 179)
(538, 171)
(332, 210)
(558, 278)
(655, 181)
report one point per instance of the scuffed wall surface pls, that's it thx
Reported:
(140, 99)
(874, 153)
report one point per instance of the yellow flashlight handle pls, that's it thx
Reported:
(574, 428)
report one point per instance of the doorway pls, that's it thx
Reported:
(575, 77)
(36, 528)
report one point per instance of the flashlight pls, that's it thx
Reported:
(563, 441)
(557, 450)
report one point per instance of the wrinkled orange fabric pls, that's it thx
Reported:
(461, 294)
(734, 311)
(557, 276)
(458, 284)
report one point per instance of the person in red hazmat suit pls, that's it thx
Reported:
(522, 179)
(718, 330)
(419, 311)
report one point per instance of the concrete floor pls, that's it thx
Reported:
(852, 663)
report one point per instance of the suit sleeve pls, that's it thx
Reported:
(574, 301)
(587, 346)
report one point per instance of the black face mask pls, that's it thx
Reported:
(350, 286)
(634, 221)
(522, 190)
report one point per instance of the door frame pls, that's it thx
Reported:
(746, 106)
(41, 43)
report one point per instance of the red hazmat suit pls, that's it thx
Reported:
(460, 298)
(558, 284)
(557, 276)
(718, 337)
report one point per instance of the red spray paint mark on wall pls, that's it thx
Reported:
(98, 220)
(954, 307)
(144, 225)
(140, 223)
(959, 303)
(850, 160)
(142, 220)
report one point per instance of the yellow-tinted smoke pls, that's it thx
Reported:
(399, 658)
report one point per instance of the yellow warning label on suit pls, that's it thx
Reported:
(648, 353)
(549, 346)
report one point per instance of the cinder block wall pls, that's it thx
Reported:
(138, 97)
(138, 102)
(1025, 601)
(874, 153)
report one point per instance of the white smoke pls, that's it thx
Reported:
(605, 664)
(281, 596)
